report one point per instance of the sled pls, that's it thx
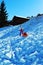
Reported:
(24, 34)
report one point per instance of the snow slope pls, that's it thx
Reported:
(18, 50)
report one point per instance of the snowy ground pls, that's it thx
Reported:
(18, 50)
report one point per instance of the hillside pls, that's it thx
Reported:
(19, 50)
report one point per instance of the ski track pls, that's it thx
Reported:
(18, 50)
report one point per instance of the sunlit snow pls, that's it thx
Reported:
(19, 50)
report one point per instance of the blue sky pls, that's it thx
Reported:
(23, 7)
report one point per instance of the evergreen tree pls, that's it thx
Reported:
(3, 14)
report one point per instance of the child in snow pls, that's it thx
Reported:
(21, 31)
(24, 34)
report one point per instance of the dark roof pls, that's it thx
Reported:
(18, 20)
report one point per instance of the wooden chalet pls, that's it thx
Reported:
(18, 20)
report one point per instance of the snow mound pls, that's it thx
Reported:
(18, 50)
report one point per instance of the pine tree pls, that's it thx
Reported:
(3, 14)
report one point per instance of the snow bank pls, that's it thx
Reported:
(18, 50)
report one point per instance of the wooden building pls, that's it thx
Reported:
(18, 20)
